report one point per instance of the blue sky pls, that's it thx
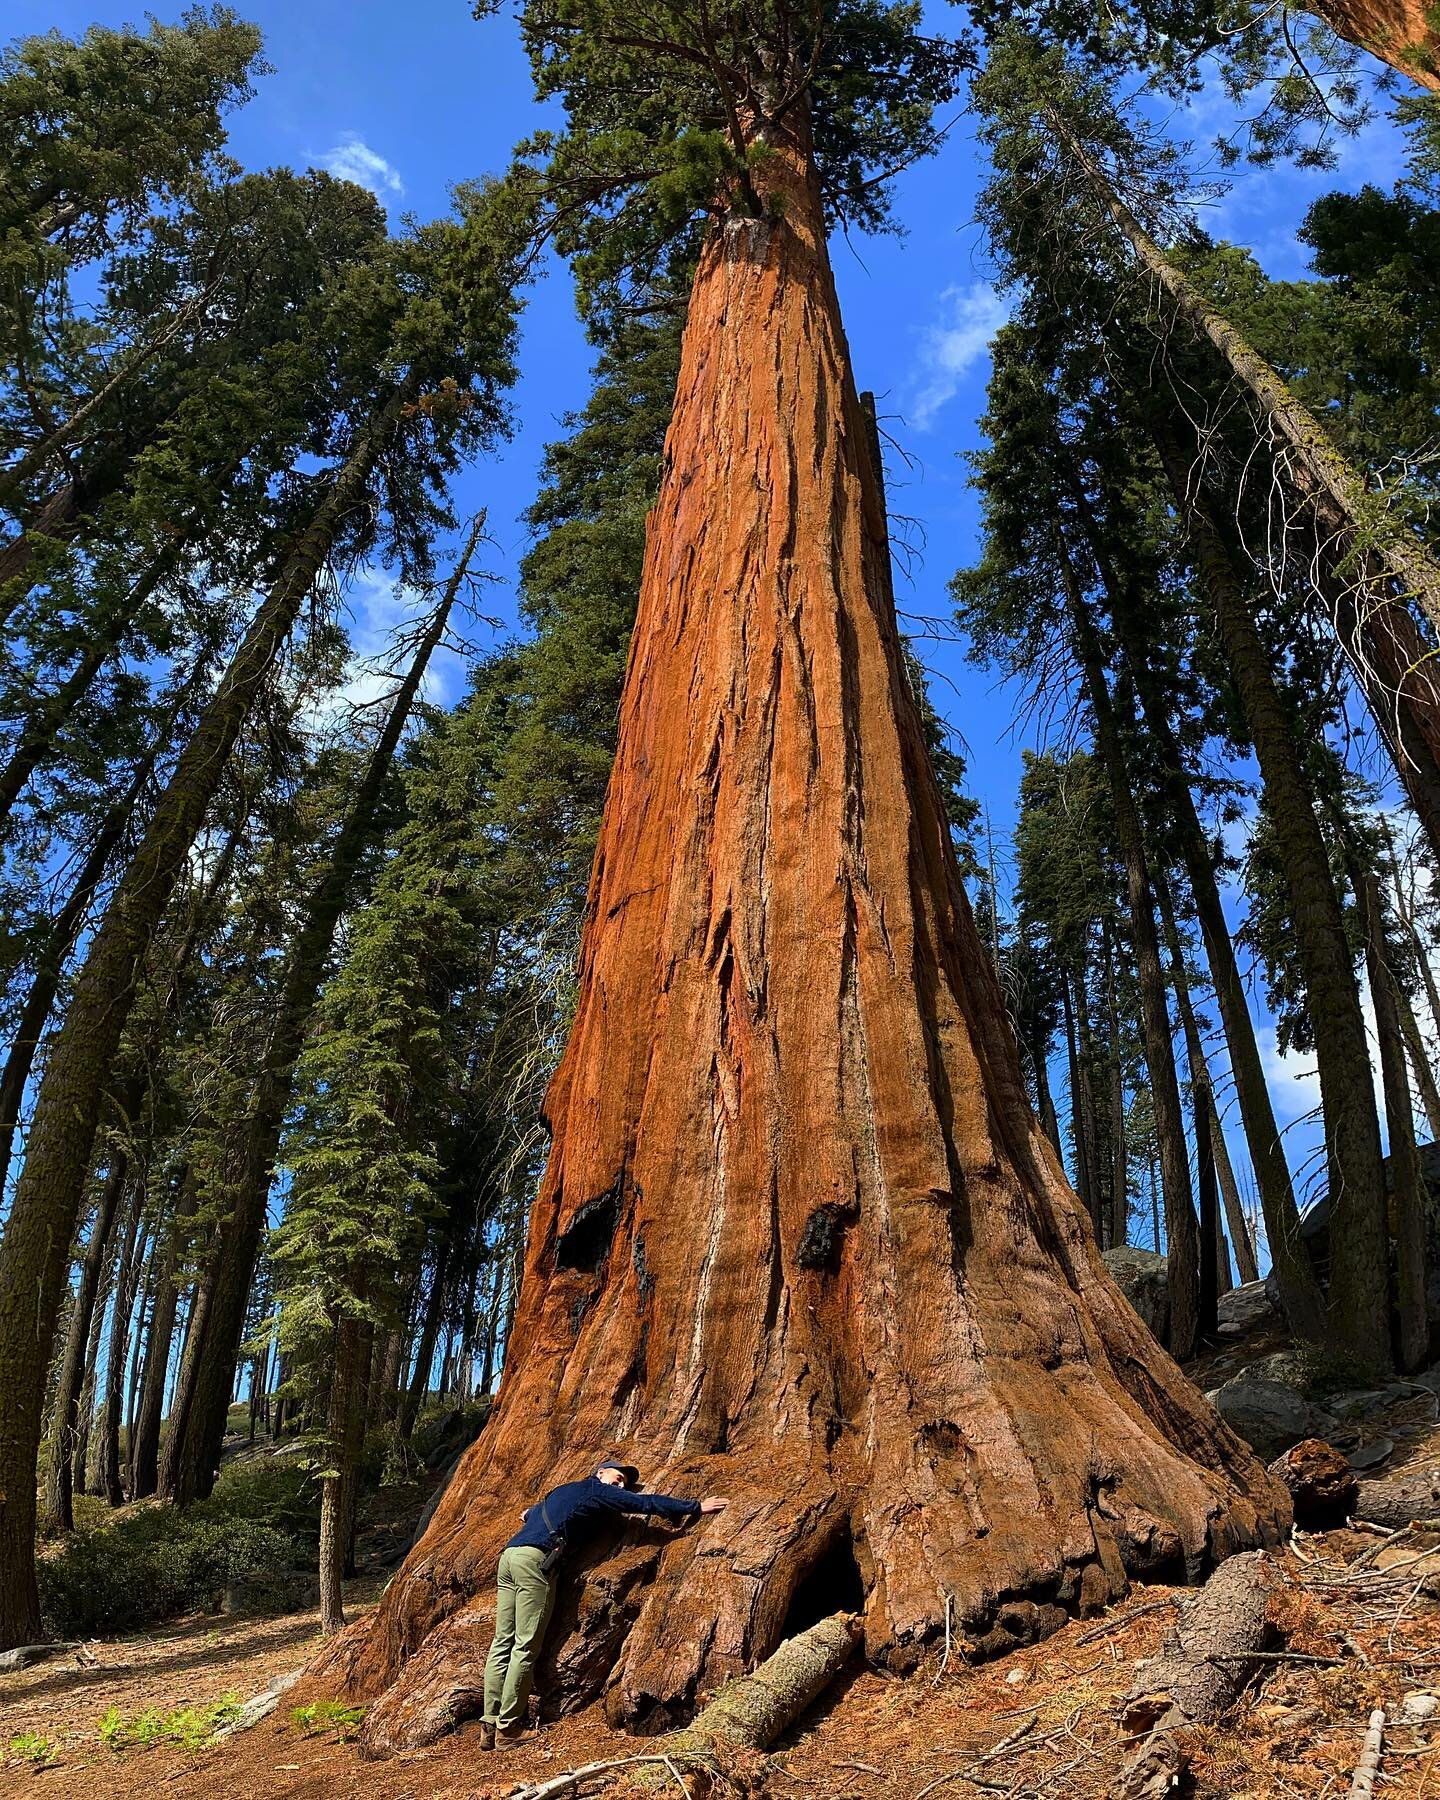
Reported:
(410, 98)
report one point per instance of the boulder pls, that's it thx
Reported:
(1142, 1278)
(456, 1432)
(1243, 1308)
(1270, 1416)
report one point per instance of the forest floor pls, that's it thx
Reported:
(1040, 1725)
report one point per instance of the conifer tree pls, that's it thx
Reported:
(781, 991)
(429, 352)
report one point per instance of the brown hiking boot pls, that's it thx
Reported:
(512, 1734)
(487, 1735)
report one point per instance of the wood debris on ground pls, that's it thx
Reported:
(1355, 1629)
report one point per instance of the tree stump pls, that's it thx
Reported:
(1321, 1484)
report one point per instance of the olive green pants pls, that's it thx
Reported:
(524, 1597)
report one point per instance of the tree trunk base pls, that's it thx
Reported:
(649, 1624)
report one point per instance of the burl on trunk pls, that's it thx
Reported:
(800, 1240)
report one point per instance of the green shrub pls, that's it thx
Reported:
(328, 1715)
(190, 1726)
(260, 1525)
(154, 1565)
(281, 1493)
(34, 1747)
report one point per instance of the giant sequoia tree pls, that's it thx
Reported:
(800, 1238)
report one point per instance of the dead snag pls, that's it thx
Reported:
(1202, 1666)
(1368, 1767)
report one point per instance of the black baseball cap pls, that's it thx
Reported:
(628, 1470)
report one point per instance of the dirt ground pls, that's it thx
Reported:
(1361, 1630)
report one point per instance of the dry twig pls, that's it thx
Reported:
(1362, 1785)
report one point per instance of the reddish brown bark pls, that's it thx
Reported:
(1400, 32)
(800, 1239)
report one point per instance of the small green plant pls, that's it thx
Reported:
(192, 1727)
(327, 1715)
(34, 1748)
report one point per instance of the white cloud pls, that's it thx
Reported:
(352, 159)
(1289, 1074)
(970, 317)
(382, 611)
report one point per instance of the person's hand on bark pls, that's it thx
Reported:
(713, 1504)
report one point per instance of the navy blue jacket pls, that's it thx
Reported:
(579, 1505)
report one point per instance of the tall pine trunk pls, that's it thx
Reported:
(1345, 509)
(254, 1165)
(345, 1431)
(800, 1238)
(120, 1315)
(56, 521)
(64, 929)
(1359, 1243)
(1407, 1176)
(36, 1244)
(145, 1449)
(104, 635)
(1399, 675)
(59, 1511)
(1080, 1128)
(1300, 1295)
(1181, 1231)
(1202, 1094)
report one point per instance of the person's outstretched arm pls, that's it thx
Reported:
(664, 1506)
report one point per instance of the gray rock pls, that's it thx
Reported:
(1270, 1416)
(1370, 1456)
(1295, 1369)
(1141, 1277)
(23, 1655)
(1243, 1308)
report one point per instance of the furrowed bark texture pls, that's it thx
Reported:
(1397, 1504)
(800, 1239)
(1400, 32)
(1202, 1667)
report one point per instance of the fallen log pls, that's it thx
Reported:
(257, 1707)
(1399, 1502)
(1206, 1659)
(24, 1655)
(748, 1713)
